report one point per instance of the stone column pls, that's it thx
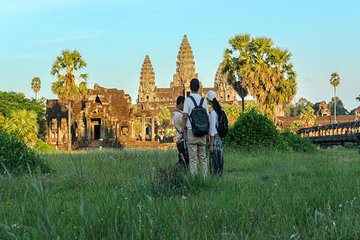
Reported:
(88, 129)
(143, 128)
(152, 129)
(132, 130)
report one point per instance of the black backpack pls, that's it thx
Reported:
(199, 119)
(223, 124)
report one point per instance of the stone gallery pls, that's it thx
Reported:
(107, 116)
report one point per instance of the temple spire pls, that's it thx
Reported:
(147, 80)
(185, 66)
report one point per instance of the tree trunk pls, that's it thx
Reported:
(335, 104)
(69, 126)
(35, 95)
(242, 104)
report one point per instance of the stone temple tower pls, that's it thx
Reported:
(147, 88)
(185, 67)
(225, 91)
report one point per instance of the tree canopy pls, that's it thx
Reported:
(340, 108)
(264, 70)
(36, 85)
(296, 108)
(12, 101)
(70, 84)
(164, 117)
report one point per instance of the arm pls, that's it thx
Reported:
(183, 123)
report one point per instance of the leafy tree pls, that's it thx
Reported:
(264, 70)
(337, 106)
(36, 85)
(23, 124)
(308, 116)
(70, 84)
(11, 101)
(358, 98)
(335, 81)
(298, 107)
(137, 126)
(164, 117)
(233, 111)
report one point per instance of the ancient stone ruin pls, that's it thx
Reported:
(107, 117)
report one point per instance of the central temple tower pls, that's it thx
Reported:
(185, 67)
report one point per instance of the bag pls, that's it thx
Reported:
(223, 124)
(199, 119)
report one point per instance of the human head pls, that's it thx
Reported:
(180, 102)
(194, 85)
(211, 95)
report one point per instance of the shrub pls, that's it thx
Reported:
(297, 143)
(254, 131)
(17, 158)
(42, 147)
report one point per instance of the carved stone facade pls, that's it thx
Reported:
(105, 115)
(322, 109)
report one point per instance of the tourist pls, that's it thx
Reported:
(197, 130)
(216, 147)
(180, 142)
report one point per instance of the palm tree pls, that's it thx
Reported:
(36, 85)
(70, 85)
(263, 70)
(335, 81)
(232, 65)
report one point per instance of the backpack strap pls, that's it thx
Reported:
(201, 102)
(193, 99)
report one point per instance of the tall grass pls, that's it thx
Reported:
(125, 194)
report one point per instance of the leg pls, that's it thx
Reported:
(201, 154)
(192, 148)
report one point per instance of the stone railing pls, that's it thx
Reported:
(350, 128)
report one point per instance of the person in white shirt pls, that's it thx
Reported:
(196, 145)
(180, 142)
(216, 147)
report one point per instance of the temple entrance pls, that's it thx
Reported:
(96, 123)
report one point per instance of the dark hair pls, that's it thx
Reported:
(194, 85)
(216, 105)
(179, 100)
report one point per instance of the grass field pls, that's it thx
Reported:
(127, 194)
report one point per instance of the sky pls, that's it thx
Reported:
(114, 36)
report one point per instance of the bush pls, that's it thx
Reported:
(17, 158)
(42, 147)
(297, 143)
(254, 131)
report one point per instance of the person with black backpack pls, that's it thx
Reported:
(218, 130)
(196, 120)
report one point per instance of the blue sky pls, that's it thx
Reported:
(115, 35)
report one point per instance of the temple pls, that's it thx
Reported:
(107, 115)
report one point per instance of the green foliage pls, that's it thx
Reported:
(335, 79)
(297, 143)
(340, 108)
(70, 84)
(298, 107)
(233, 111)
(17, 158)
(254, 131)
(42, 147)
(23, 124)
(11, 101)
(308, 116)
(36, 85)
(264, 70)
(164, 117)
